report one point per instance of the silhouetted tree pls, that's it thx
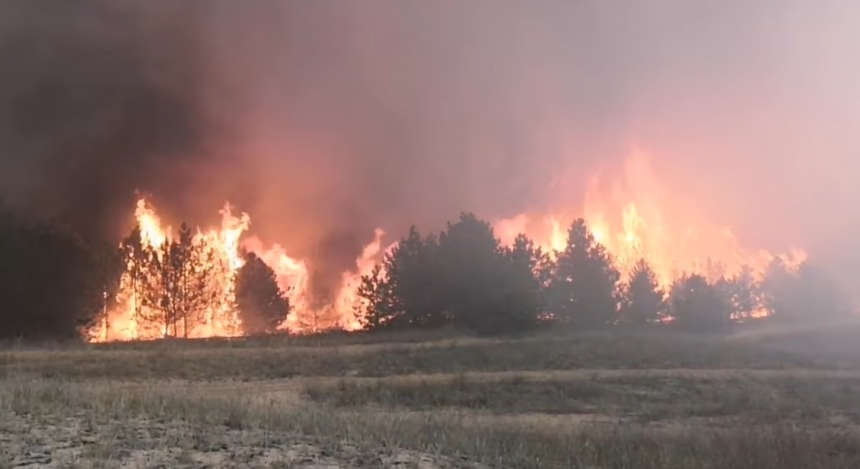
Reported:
(51, 280)
(742, 293)
(417, 281)
(539, 261)
(136, 257)
(406, 288)
(378, 306)
(263, 306)
(474, 274)
(463, 277)
(643, 301)
(524, 274)
(699, 306)
(110, 266)
(583, 289)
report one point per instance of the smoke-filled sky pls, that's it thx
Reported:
(326, 119)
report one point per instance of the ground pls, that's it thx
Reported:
(758, 400)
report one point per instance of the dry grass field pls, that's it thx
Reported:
(577, 401)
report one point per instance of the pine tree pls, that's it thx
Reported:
(51, 280)
(416, 280)
(378, 307)
(158, 300)
(136, 256)
(108, 275)
(643, 300)
(194, 264)
(699, 306)
(405, 289)
(742, 293)
(170, 285)
(526, 274)
(473, 268)
(263, 306)
(583, 288)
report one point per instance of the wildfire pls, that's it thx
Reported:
(632, 224)
(131, 318)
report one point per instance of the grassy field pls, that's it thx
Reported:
(426, 401)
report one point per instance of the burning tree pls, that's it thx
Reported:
(182, 283)
(170, 283)
(134, 281)
(187, 284)
(181, 286)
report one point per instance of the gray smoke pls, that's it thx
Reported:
(326, 119)
(98, 101)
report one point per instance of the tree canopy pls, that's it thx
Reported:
(463, 277)
(262, 305)
(643, 301)
(584, 285)
(54, 284)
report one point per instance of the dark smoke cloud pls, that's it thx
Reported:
(381, 114)
(326, 119)
(99, 100)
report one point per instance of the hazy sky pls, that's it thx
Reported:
(426, 108)
(335, 117)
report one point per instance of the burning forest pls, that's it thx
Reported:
(391, 233)
(332, 145)
(184, 283)
(225, 282)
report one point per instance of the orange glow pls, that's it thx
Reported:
(636, 221)
(128, 320)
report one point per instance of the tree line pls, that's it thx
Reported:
(52, 281)
(55, 284)
(175, 285)
(464, 277)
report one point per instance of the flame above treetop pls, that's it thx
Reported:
(635, 223)
(132, 319)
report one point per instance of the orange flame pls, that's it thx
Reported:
(636, 223)
(127, 320)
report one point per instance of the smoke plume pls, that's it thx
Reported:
(101, 100)
(325, 120)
